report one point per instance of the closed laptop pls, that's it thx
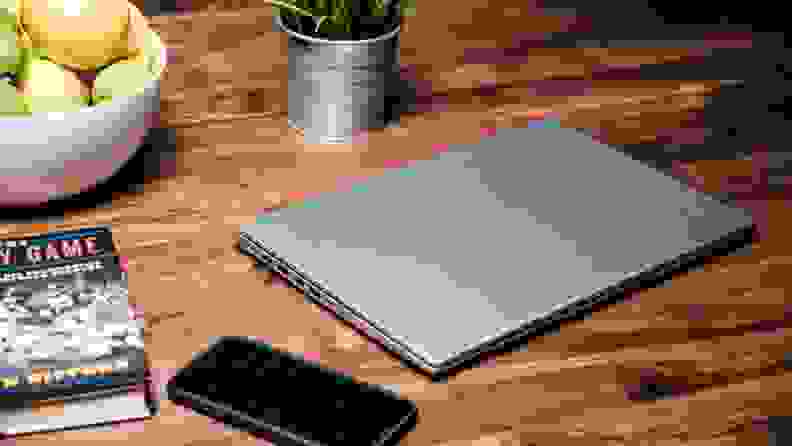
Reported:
(487, 242)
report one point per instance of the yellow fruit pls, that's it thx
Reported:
(26, 46)
(10, 101)
(48, 87)
(126, 77)
(80, 34)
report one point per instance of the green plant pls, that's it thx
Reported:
(343, 17)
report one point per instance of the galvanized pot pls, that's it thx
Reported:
(338, 88)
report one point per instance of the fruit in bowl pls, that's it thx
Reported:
(9, 54)
(10, 101)
(80, 34)
(125, 76)
(73, 114)
(67, 54)
(46, 86)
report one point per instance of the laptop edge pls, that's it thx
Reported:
(328, 300)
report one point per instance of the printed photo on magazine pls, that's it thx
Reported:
(67, 330)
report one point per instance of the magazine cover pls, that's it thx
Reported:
(54, 248)
(65, 330)
(71, 350)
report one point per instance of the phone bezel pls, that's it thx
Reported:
(200, 403)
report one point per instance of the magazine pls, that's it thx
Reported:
(28, 254)
(66, 330)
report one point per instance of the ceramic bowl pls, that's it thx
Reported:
(46, 156)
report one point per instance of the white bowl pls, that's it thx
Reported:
(55, 155)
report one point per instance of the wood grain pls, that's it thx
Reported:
(696, 362)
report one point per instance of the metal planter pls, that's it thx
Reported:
(338, 88)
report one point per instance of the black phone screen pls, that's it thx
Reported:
(280, 390)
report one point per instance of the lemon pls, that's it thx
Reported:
(48, 87)
(79, 34)
(126, 77)
(10, 101)
(25, 46)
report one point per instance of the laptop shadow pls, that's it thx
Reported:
(413, 94)
(154, 159)
(517, 339)
(653, 278)
(743, 119)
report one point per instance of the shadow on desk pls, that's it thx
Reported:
(736, 243)
(743, 119)
(151, 8)
(154, 159)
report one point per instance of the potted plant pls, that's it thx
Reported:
(343, 64)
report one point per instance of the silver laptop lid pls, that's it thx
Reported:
(457, 250)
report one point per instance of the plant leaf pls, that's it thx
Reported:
(334, 16)
(289, 6)
(377, 7)
(319, 23)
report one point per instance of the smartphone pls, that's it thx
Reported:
(250, 385)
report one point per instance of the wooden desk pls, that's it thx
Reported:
(717, 338)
